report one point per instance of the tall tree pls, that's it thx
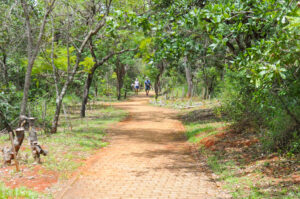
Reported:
(33, 47)
(72, 70)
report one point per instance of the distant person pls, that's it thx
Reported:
(136, 86)
(147, 85)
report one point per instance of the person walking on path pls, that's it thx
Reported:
(147, 85)
(136, 86)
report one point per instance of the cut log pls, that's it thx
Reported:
(35, 147)
(18, 140)
(8, 153)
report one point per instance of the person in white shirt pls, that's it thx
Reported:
(136, 86)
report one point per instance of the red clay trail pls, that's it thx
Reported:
(147, 158)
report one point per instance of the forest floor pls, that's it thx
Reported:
(234, 154)
(148, 157)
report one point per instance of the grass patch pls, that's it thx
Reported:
(195, 132)
(183, 103)
(21, 192)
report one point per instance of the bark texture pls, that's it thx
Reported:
(157, 79)
(4, 67)
(120, 71)
(87, 85)
(189, 77)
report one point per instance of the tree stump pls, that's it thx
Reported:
(35, 147)
(8, 154)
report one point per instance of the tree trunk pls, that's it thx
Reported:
(26, 88)
(119, 91)
(120, 71)
(211, 86)
(85, 96)
(125, 93)
(189, 77)
(57, 113)
(156, 86)
(4, 68)
(157, 79)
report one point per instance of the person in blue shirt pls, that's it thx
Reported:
(147, 86)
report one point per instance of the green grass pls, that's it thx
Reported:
(183, 103)
(4, 139)
(21, 192)
(195, 132)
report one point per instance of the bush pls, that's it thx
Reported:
(10, 103)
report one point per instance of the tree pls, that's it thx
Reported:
(91, 72)
(33, 49)
(72, 70)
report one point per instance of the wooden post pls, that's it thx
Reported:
(14, 151)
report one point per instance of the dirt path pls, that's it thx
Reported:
(147, 158)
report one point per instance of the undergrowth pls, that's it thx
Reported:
(238, 160)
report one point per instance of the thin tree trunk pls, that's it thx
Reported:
(125, 93)
(157, 79)
(189, 77)
(156, 86)
(87, 86)
(56, 116)
(4, 69)
(120, 71)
